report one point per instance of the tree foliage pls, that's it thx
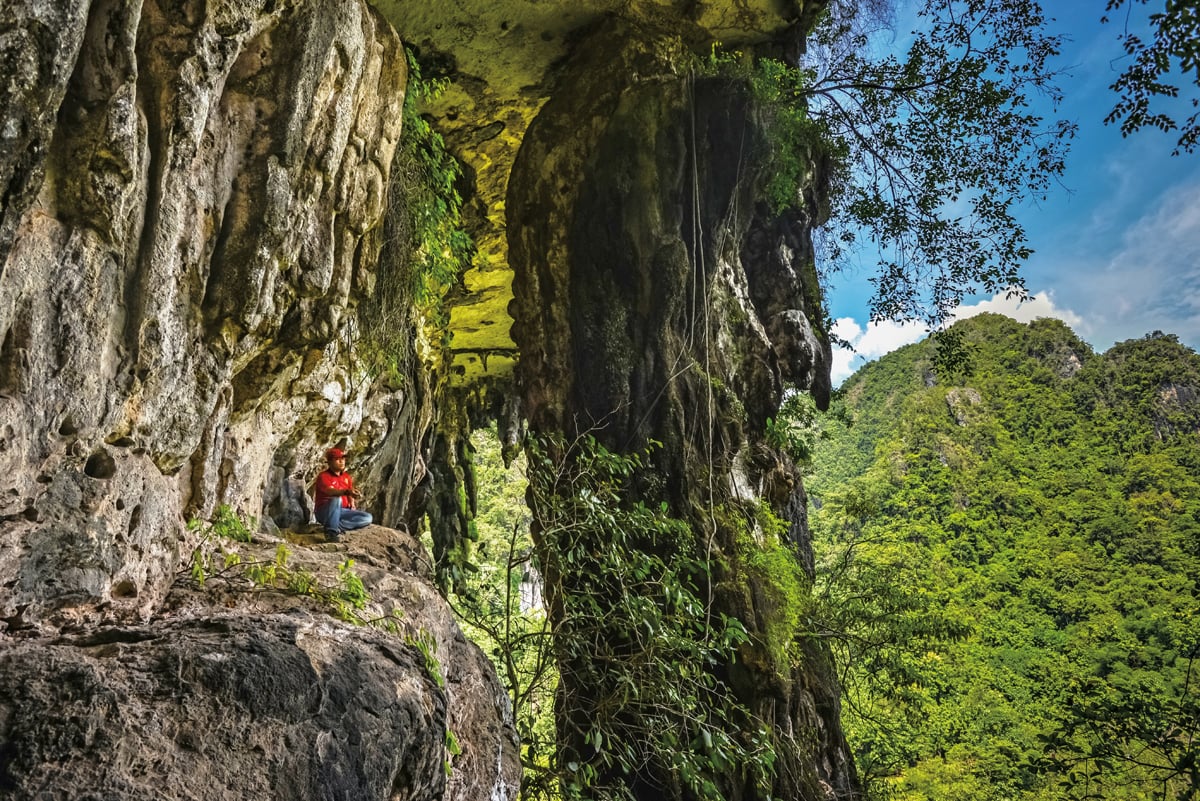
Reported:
(940, 145)
(1148, 80)
(1009, 560)
(500, 609)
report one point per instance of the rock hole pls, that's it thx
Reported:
(10, 362)
(120, 504)
(44, 478)
(30, 514)
(68, 426)
(100, 465)
(122, 442)
(124, 589)
(135, 518)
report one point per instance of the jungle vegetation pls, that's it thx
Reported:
(1007, 568)
(1008, 561)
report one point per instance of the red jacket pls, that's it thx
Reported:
(329, 481)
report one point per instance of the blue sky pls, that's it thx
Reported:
(1117, 247)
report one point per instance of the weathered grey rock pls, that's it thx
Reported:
(962, 402)
(90, 544)
(220, 708)
(270, 697)
(39, 43)
(179, 290)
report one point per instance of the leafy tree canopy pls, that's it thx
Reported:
(938, 138)
(1008, 561)
(938, 146)
(1155, 69)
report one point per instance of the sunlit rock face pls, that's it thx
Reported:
(659, 299)
(194, 199)
(195, 204)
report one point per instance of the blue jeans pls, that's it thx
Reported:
(336, 519)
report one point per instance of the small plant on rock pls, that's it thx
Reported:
(215, 557)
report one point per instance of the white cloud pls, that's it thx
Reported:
(869, 342)
(886, 336)
(847, 328)
(1023, 312)
(873, 340)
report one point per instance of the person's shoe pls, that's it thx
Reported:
(332, 536)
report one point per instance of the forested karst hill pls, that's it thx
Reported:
(1012, 554)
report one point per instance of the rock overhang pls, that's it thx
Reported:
(501, 58)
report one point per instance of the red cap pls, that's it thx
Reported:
(334, 453)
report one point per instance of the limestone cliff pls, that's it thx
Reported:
(185, 255)
(659, 300)
(196, 196)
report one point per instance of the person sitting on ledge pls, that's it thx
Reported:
(334, 495)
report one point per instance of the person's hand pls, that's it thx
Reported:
(355, 494)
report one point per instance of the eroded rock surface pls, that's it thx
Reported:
(199, 213)
(268, 698)
(220, 708)
(194, 198)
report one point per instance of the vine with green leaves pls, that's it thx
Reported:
(634, 640)
(428, 174)
(794, 429)
(215, 558)
(426, 246)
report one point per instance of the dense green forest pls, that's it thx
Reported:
(1007, 567)
(1007, 563)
